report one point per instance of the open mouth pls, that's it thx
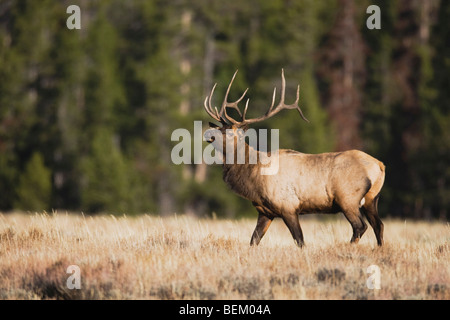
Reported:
(210, 140)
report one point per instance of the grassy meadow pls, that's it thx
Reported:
(180, 257)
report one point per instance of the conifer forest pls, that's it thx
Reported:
(87, 114)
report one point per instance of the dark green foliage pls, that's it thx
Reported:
(34, 186)
(86, 116)
(106, 182)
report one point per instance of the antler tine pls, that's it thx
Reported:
(210, 97)
(217, 113)
(212, 115)
(245, 110)
(208, 107)
(233, 105)
(273, 100)
(283, 88)
(224, 104)
(298, 107)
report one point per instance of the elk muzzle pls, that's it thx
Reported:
(210, 135)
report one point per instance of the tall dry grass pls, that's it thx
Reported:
(147, 257)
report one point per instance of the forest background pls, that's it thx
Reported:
(86, 115)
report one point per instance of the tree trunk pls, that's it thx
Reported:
(343, 67)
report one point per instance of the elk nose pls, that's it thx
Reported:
(209, 136)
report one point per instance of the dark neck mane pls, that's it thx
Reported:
(244, 179)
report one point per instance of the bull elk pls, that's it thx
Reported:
(349, 182)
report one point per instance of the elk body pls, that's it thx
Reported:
(349, 182)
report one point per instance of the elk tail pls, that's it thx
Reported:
(382, 166)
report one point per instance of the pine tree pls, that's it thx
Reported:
(34, 189)
(379, 91)
(343, 72)
(27, 89)
(68, 57)
(437, 151)
(104, 170)
(107, 180)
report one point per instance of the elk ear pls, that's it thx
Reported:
(213, 125)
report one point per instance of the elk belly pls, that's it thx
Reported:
(316, 198)
(282, 197)
(288, 199)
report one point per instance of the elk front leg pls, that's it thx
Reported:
(262, 225)
(293, 225)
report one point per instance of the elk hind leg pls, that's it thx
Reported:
(355, 218)
(370, 211)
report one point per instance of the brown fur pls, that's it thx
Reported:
(348, 182)
(310, 183)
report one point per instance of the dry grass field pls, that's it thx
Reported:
(148, 257)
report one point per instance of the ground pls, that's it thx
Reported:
(180, 257)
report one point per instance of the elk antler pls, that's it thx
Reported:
(224, 118)
(208, 107)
